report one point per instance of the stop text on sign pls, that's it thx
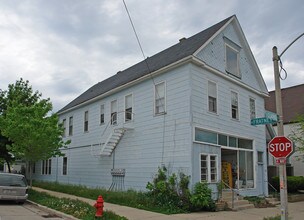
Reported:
(280, 147)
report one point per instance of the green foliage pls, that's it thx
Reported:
(294, 183)
(297, 135)
(76, 208)
(201, 198)
(172, 193)
(166, 194)
(26, 120)
(169, 192)
(277, 217)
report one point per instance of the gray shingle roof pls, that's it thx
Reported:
(164, 58)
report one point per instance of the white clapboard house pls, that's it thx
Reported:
(187, 108)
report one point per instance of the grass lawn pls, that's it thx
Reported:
(72, 207)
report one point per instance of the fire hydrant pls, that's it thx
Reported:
(99, 206)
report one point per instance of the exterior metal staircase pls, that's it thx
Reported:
(111, 136)
(112, 141)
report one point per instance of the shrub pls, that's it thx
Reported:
(169, 192)
(294, 183)
(173, 193)
(201, 198)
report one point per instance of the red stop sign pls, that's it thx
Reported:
(280, 147)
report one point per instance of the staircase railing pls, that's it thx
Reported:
(276, 193)
(233, 193)
(109, 129)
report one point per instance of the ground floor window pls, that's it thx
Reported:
(237, 168)
(46, 168)
(209, 168)
(64, 166)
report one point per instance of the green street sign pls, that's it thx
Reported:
(261, 121)
(272, 116)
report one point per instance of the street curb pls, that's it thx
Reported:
(60, 214)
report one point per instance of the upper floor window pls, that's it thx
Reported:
(252, 108)
(64, 127)
(71, 126)
(212, 97)
(102, 114)
(114, 112)
(160, 98)
(128, 108)
(86, 121)
(232, 61)
(234, 105)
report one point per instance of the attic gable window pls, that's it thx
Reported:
(232, 60)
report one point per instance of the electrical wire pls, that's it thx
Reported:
(285, 72)
(150, 74)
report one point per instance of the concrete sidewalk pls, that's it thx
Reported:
(296, 211)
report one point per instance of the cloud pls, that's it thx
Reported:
(64, 47)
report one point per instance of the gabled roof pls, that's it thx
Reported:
(292, 102)
(184, 48)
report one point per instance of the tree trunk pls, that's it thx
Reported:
(31, 181)
(8, 165)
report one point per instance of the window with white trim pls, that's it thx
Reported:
(160, 98)
(232, 61)
(209, 171)
(86, 121)
(102, 114)
(252, 108)
(71, 126)
(46, 168)
(64, 166)
(114, 112)
(234, 105)
(64, 127)
(128, 108)
(212, 97)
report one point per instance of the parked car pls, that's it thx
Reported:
(13, 187)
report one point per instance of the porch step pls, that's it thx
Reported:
(273, 201)
(240, 205)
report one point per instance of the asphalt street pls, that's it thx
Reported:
(27, 211)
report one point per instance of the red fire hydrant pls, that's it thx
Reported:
(99, 206)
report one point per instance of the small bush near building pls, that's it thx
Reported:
(166, 194)
(173, 192)
(294, 183)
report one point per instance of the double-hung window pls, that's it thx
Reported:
(234, 105)
(71, 126)
(252, 108)
(63, 127)
(64, 166)
(102, 114)
(212, 97)
(128, 108)
(114, 112)
(232, 61)
(46, 168)
(209, 171)
(160, 98)
(86, 121)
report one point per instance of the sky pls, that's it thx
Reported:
(63, 47)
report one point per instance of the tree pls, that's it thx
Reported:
(28, 122)
(297, 134)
